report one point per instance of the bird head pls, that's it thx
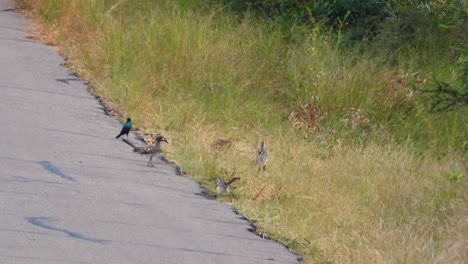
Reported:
(161, 138)
(129, 119)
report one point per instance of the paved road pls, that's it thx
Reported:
(71, 193)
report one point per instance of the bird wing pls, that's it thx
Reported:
(140, 138)
(146, 150)
(232, 180)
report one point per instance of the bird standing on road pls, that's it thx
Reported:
(224, 186)
(262, 157)
(126, 128)
(150, 151)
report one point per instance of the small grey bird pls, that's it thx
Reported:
(224, 186)
(262, 157)
(150, 151)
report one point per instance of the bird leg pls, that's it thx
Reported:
(261, 168)
(150, 163)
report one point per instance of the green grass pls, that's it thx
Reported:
(358, 173)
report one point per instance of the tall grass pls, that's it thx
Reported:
(349, 180)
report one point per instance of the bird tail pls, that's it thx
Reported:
(129, 143)
(233, 180)
(118, 135)
(142, 139)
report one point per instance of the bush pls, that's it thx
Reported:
(443, 96)
(359, 18)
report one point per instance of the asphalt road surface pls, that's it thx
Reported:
(72, 193)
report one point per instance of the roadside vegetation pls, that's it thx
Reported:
(363, 108)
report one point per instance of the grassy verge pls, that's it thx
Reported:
(350, 178)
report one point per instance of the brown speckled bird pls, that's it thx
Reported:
(150, 151)
(224, 186)
(262, 157)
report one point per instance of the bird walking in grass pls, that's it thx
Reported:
(149, 151)
(262, 157)
(224, 186)
(126, 128)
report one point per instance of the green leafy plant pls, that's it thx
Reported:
(445, 97)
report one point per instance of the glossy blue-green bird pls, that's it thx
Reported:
(126, 128)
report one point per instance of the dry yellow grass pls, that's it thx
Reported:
(371, 205)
